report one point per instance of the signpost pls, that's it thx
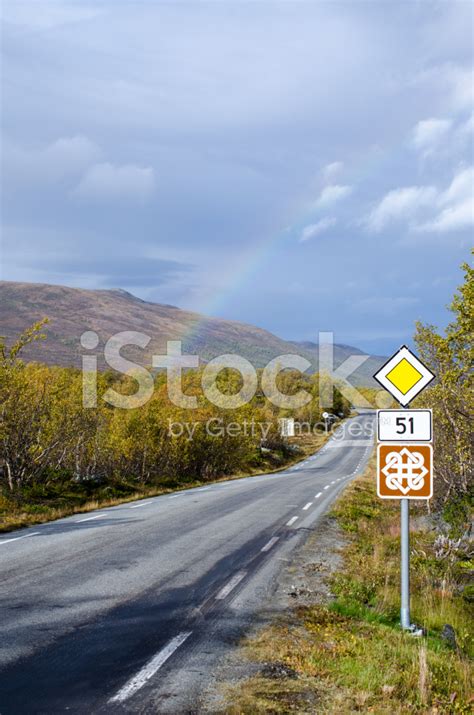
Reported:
(287, 427)
(404, 463)
(325, 417)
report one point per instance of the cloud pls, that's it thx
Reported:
(429, 208)
(467, 127)
(65, 157)
(453, 218)
(119, 271)
(105, 182)
(452, 81)
(461, 84)
(314, 229)
(402, 203)
(428, 133)
(332, 193)
(77, 257)
(461, 187)
(457, 204)
(332, 171)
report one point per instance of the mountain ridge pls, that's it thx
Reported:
(72, 311)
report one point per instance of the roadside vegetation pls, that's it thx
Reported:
(349, 654)
(58, 457)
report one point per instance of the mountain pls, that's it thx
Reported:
(72, 311)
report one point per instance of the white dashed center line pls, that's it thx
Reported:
(149, 669)
(89, 518)
(306, 506)
(316, 496)
(327, 486)
(292, 521)
(138, 506)
(17, 538)
(234, 581)
(270, 543)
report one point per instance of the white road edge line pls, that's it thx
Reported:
(148, 670)
(138, 506)
(89, 518)
(327, 486)
(306, 506)
(234, 581)
(17, 538)
(270, 543)
(292, 521)
(316, 496)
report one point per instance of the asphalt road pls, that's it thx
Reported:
(129, 609)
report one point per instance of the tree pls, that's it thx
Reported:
(451, 358)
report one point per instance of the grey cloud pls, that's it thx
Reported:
(62, 158)
(106, 182)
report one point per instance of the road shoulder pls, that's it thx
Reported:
(303, 581)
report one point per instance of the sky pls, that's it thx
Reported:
(301, 166)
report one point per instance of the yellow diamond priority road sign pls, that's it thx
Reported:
(404, 376)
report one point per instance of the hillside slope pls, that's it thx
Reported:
(71, 311)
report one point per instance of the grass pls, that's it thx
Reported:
(59, 499)
(350, 655)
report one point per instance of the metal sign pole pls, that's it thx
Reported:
(405, 562)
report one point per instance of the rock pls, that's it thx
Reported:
(297, 591)
(448, 635)
(278, 670)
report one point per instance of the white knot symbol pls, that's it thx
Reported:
(405, 471)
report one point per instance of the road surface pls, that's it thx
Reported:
(129, 609)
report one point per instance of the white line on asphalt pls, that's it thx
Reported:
(316, 496)
(89, 518)
(327, 486)
(17, 538)
(333, 482)
(138, 506)
(175, 496)
(149, 669)
(292, 521)
(270, 543)
(306, 506)
(234, 581)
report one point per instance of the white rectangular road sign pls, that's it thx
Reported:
(404, 425)
(287, 426)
